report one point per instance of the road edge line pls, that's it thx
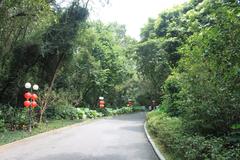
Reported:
(156, 150)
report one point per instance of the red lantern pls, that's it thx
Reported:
(34, 96)
(27, 103)
(130, 103)
(101, 102)
(34, 104)
(27, 95)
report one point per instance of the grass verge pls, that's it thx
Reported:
(11, 136)
(161, 147)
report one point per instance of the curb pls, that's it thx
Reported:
(24, 140)
(158, 153)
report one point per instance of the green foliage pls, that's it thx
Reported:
(124, 110)
(81, 113)
(168, 131)
(58, 40)
(70, 112)
(187, 60)
(138, 108)
(153, 66)
(172, 95)
(22, 24)
(65, 111)
(106, 111)
(211, 61)
(170, 127)
(148, 30)
(99, 67)
(92, 113)
(200, 45)
(13, 118)
(2, 123)
(117, 111)
(158, 51)
(72, 60)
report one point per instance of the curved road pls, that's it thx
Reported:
(118, 138)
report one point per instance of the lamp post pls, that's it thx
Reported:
(30, 101)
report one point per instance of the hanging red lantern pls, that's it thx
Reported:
(101, 102)
(27, 95)
(34, 104)
(27, 103)
(130, 103)
(34, 96)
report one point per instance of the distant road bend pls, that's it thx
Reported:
(117, 138)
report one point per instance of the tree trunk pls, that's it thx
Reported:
(49, 90)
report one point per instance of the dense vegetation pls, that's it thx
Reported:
(73, 60)
(187, 61)
(193, 53)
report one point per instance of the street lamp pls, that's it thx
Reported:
(35, 87)
(28, 85)
(30, 101)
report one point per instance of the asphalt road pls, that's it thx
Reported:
(118, 138)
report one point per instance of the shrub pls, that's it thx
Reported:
(172, 96)
(138, 108)
(92, 113)
(117, 111)
(106, 111)
(123, 110)
(66, 111)
(13, 118)
(165, 128)
(81, 113)
(2, 124)
(168, 131)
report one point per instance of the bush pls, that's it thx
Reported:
(70, 112)
(81, 113)
(106, 111)
(122, 110)
(172, 88)
(138, 108)
(117, 111)
(13, 118)
(168, 131)
(92, 113)
(2, 124)
(66, 111)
